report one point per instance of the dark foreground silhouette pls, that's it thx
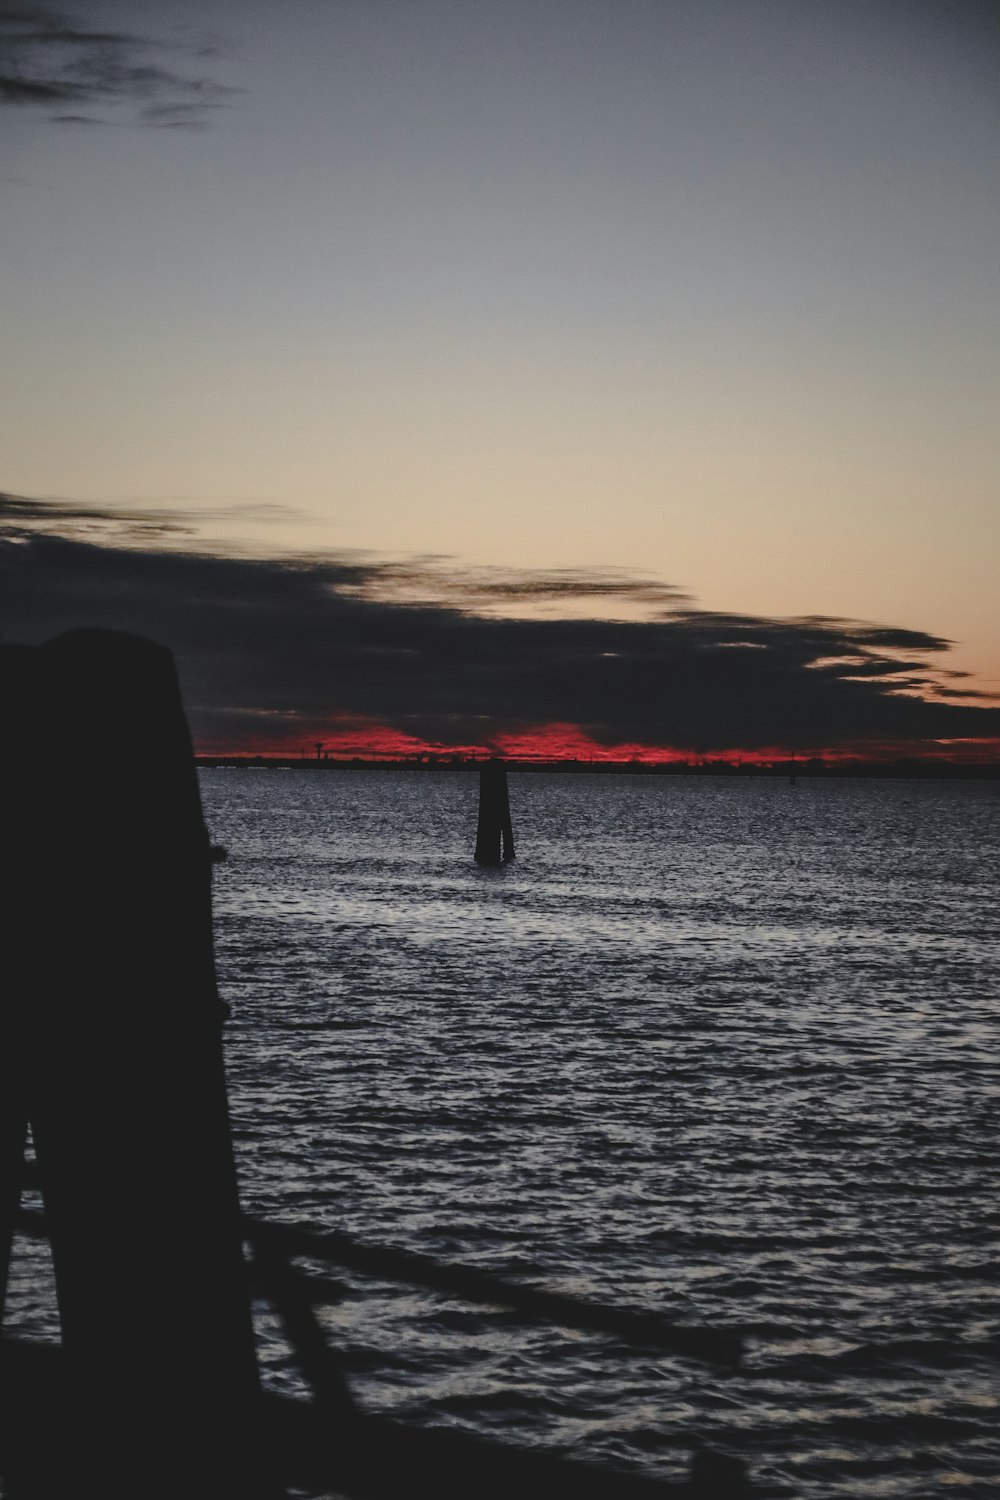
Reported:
(110, 1050)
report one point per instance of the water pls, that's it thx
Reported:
(721, 1049)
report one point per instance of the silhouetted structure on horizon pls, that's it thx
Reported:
(915, 769)
(494, 835)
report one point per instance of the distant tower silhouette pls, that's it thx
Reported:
(319, 750)
(494, 829)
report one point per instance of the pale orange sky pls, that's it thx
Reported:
(704, 290)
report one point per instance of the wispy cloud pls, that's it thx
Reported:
(499, 590)
(122, 526)
(83, 76)
(271, 650)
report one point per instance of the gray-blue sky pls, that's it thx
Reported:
(707, 289)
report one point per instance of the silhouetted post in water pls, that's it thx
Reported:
(110, 1048)
(494, 816)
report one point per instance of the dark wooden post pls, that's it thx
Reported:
(111, 1049)
(494, 828)
(15, 663)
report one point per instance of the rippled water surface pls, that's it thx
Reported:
(718, 1048)
(724, 1049)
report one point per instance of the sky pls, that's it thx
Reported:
(623, 366)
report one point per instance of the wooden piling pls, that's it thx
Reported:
(494, 835)
(111, 1050)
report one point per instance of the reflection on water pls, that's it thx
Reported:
(710, 1047)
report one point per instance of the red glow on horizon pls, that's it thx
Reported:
(367, 739)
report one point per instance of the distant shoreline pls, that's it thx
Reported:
(900, 770)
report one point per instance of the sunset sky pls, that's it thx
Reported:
(453, 369)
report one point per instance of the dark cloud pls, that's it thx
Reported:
(48, 59)
(282, 647)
